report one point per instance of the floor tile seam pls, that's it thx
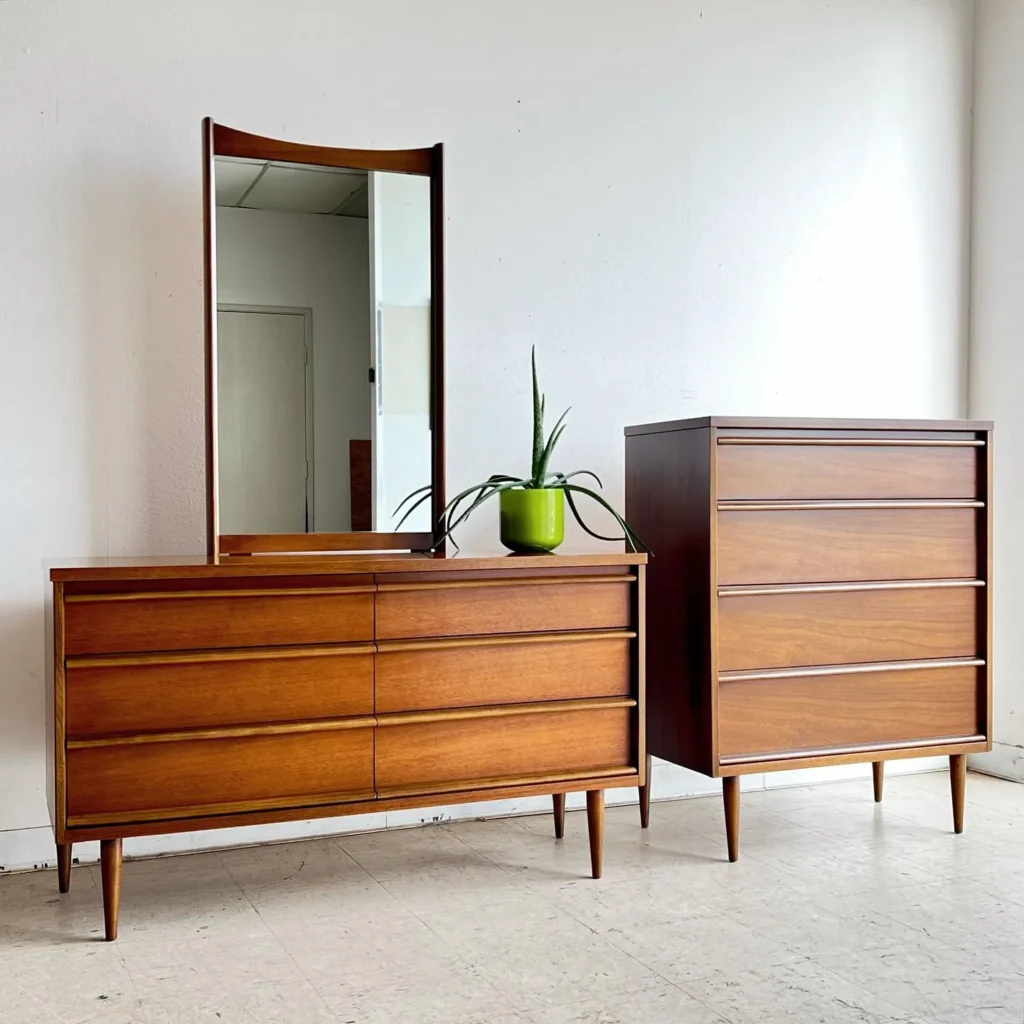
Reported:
(898, 1012)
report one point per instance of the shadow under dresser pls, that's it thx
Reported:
(193, 694)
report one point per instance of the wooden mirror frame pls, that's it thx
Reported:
(219, 140)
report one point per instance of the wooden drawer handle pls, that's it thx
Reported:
(503, 711)
(225, 654)
(755, 590)
(845, 670)
(506, 640)
(884, 442)
(176, 595)
(515, 581)
(842, 503)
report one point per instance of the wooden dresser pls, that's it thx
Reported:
(193, 694)
(820, 594)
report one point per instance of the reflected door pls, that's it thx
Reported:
(262, 422)
(399, 235)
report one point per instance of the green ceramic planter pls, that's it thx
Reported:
(532, 519)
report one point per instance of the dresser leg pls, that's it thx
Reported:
(595, 826)
(957, 784)
(558, 799)
(878, 778)
(645, 797)
(110, 866)
(731, 795)
(64, 866)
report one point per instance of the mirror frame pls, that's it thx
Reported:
(219, 140)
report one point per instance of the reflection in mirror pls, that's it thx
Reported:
(323, 346)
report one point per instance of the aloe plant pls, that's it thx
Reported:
(466, 502)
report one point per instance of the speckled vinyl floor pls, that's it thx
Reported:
(839, 910)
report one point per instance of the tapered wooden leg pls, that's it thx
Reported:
(64, 866)
(957, 784)
(110, 865)
(878, 778)
(731, 794)
(559, 801)
(645, 797)
(595, 826)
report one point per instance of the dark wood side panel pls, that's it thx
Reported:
(785, 630)
(488, 607)
(185, 777)
(668, 504)
(417, 756)
(838, 545)
(458, 674)
(166, 693)
(360, 475)
(816, 712)
(784, 472)
(109, 624)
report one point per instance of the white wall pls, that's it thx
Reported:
(997, 351)
(269, 258)
(691, 207)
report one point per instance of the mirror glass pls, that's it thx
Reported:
(322, 347)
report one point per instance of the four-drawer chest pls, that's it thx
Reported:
(820, 594)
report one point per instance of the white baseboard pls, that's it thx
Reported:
(30, 849)
(1004, 760)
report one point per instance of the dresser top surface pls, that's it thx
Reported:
(801, 423)
(210, 566)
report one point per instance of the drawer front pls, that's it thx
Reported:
(768, 472)
(506, 606)
(460, 754)
(769, 716)
(834, 628)
(150, 781)
(459, 673)
(119, 623)
(106, 696)
(846, 545)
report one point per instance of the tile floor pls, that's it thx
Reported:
(838, 911)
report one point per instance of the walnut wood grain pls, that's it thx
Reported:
(782, 471)
(839, 545)
(169, 779)
(645, 795)
(761, 716)
(781, 630)
(558, 802)
(440, 674)
(149, 693)
(878, 779)
(432, 753)
(171, 622)
(525, 607)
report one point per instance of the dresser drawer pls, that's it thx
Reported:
(778, 472)
(763, 631)
(150, 693)
(191, 778)
(474, 607)
(192, 620)
(842, 545)
(465, 673)
(816, 713)
(453, 754)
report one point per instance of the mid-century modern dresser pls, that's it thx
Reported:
(820, 594)
(200, 693)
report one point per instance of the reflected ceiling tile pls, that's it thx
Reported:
(232, 178)
(302, 189)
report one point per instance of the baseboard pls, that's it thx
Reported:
(1004, 760)
(32, 848)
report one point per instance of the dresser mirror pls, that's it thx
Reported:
(324, 344)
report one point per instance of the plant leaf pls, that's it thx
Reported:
(409, 511)
(556, 433)
(486, 492)
(561, 478)
(579, 519)
(629, 536)
(538, 416)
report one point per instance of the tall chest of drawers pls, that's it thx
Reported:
(192, 694)
(820, 594)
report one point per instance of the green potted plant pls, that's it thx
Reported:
(532, 508)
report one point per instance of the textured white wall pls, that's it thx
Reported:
(997, 352)
(691, 207)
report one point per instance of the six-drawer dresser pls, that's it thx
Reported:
(200, 693)
(820, 594)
